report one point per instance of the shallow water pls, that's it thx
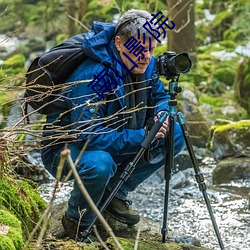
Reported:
(188, 215)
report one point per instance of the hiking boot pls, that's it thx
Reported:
(121, 211)
(75, 231)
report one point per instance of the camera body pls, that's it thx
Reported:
(171, 65)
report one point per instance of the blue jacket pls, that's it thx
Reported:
(106, 132)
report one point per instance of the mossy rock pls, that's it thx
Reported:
(10, 231)
(232, 139)
(221, 107)
(128, 244)
(22, 200)
(231, 169)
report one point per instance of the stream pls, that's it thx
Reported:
(187, 212)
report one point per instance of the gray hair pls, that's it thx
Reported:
(131, 21)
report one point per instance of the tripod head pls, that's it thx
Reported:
(174, 89)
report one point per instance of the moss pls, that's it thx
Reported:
(160, 49)
(6, 243)
(220, 24)
(22, 200)
(17, 61)
(236, 125)
(10, 220)
(16, 237)
(214, 101)
(242, 84)
(224, 75)
(13, 239)
(128, 244)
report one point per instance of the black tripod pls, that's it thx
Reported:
(173, 90)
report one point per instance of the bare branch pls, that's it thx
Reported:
(66, 154)
(79, 22)
(186, 24)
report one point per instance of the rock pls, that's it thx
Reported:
(231, 169)
(150, 235)
(232, 139)
(227, 110)
(197, 125)
(188, 95)
(181, 179)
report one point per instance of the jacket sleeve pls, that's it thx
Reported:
(88, 118)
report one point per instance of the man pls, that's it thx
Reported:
(112, 127)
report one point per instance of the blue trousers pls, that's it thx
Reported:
(100, 170)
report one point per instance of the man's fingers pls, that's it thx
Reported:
(159, 135)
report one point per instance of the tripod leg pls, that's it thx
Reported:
(168, 173)
(199, 177)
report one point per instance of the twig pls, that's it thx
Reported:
(77, 21)
(137, 236)
(186, 24)
(99, 238)
(66, 154)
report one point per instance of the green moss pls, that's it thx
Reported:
(235, 125)
(228, 45)
(128, 244)
(22, 200)
(224, 75)
(214, 101)
(6, 243)
(16, 237)
(160, 49)
(242, 84)
(17, 61)
(9, 219)
(14, 234)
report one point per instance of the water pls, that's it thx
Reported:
(188, 215)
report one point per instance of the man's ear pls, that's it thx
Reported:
(118, 42)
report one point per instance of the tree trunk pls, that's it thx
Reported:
(182, 37)
(83, 7)
(72, 12)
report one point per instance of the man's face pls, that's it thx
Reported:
(143, 63)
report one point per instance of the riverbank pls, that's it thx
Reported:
(188, 215)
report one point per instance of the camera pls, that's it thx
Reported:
(171, 65)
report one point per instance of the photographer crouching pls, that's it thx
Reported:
(109, 115)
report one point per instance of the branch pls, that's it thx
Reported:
(77, 21)
(66, 154)
(186, 24)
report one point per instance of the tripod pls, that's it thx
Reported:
(169, 163)
(173, 90)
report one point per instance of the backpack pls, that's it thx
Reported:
(48, 73)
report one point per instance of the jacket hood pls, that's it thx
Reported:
(98, 43)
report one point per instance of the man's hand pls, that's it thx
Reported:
(164, 128)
